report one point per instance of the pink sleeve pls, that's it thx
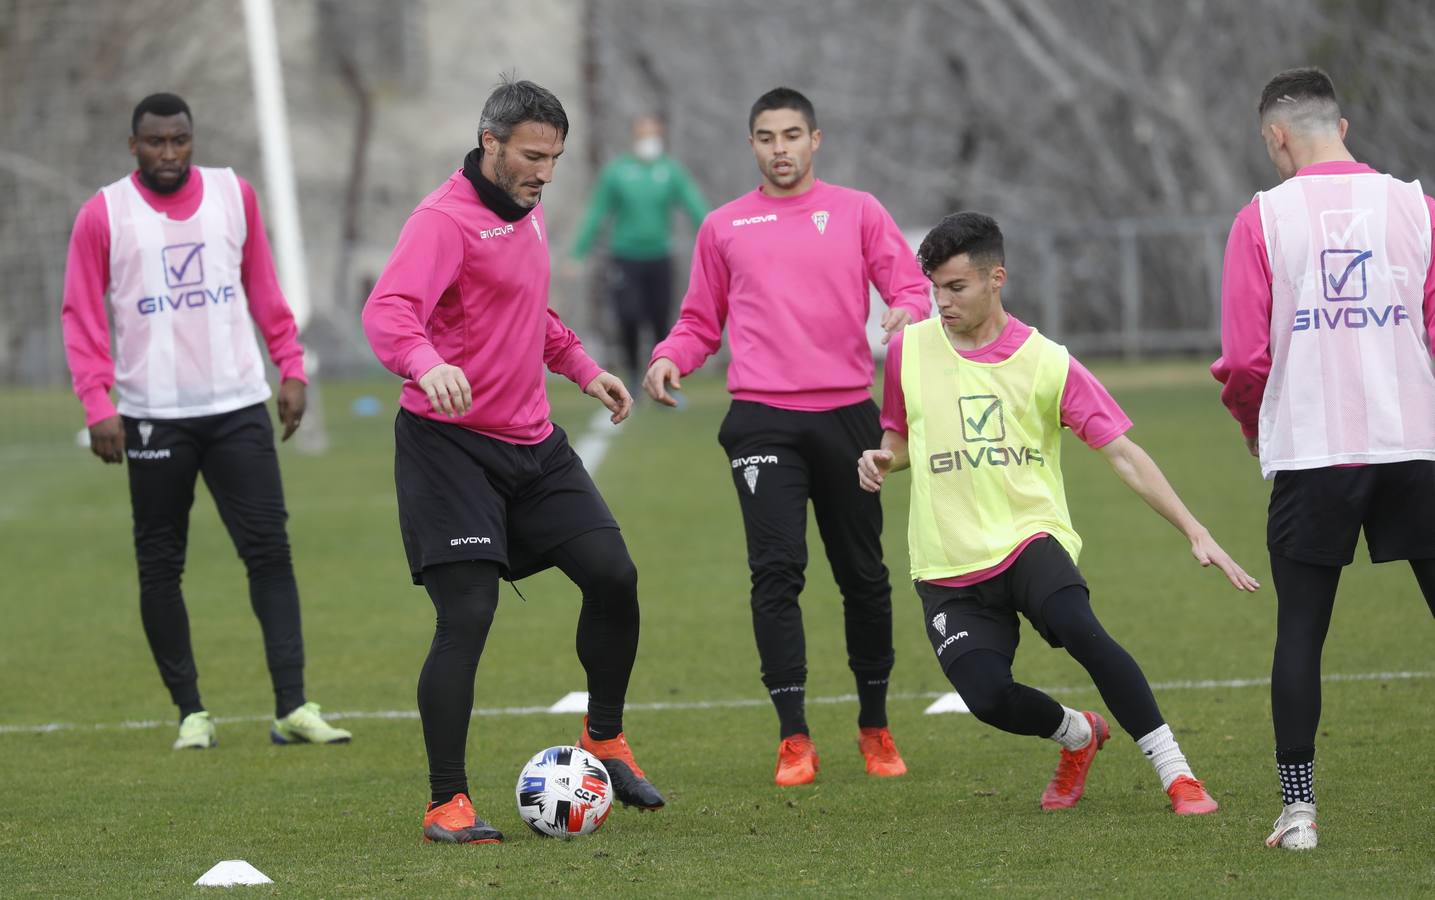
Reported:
(266, 301)
(425, 263)
(1088, 409)
(698, 332)
(1430, 281)
(1245, 362)
(563, 353)
(83, 317)
(894, 402)
(891, 265)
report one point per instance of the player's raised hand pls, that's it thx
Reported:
(1209, 553)
(447, 389)
(872, 469)
(893, 321)
(292, 403)
(612, 393)
(107, 439)
(662, 374)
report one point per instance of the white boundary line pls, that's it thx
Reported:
(689, 705)
(592, 447)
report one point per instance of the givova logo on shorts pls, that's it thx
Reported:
(749, 465)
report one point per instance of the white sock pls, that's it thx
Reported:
(1074, 732)
(1165, 754)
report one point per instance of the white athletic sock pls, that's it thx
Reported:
(1074, 731)
(1165, 754)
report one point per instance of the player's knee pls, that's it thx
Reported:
(614, 587)
(778, 578)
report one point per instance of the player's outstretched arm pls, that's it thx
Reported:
(874, 465)
(609, 390)
(1135, 467)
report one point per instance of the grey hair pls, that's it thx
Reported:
(514, 102)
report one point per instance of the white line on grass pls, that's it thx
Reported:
(686, 705)
(593, 445)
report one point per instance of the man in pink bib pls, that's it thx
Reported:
(180, 253)
(1327, 316)
(785, 269)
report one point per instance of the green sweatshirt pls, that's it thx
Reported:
(639, 197)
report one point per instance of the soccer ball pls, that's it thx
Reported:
(564, 792)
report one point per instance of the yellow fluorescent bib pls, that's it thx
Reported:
(985, 445)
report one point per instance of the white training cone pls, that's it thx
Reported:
(232, 872)
(948, 703)
(572, 702)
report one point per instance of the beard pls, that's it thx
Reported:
(505, 180)
(149, 181)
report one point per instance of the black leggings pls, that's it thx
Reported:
(465, 597)
(1305, 597)
(983, 677)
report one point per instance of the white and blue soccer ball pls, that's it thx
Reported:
(564, 792)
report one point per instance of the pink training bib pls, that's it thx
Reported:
(1352, 380)
(184, 338)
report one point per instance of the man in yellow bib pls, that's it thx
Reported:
(978, 400)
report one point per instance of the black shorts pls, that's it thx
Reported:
(1316, 514)
(464, 496)
(982, 616)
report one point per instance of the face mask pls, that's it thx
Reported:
(648, 148)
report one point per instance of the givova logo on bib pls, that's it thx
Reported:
(183, 266)
(1347, 268)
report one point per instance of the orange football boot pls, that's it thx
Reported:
(630, 785)
(455, 822)
(796, 761)
(881, 754)
(1069, 782)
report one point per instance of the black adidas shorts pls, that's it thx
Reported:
(465, 496)
(983, 616)
(1316, 514)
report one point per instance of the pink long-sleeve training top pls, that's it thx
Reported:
(1245, 362)
(467, 288)
(788, 277)
(1087, 408)
(87, 281)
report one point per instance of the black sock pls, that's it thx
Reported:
(1296, 769)
(599, 732)
(189, 709)
(289, 697)
(465, 596)
(871, 701)
(439, 798)
(608, 622)
(790, 700)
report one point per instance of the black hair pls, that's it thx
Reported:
(971, 233)
(514, 102)
(160, 105)
(783, 98)
(1295, 86)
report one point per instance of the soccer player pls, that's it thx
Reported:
(974, 403)
(488, 487)
(180, 252)
(1327, 323)
(785, 268)
(638, 191)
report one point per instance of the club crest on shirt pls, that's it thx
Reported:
(819, 219)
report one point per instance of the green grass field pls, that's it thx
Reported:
(105, 809)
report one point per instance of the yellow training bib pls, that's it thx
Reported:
(985, 446)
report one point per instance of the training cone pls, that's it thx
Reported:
(231, 872)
